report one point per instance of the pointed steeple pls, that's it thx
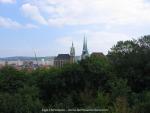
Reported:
(84, 44)
(72, 44)
(85, 49)
(72, 53)
(72, 50)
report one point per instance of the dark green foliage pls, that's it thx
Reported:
(16, 96)
(131, 61)
(142, 104)
(11, 79)
(24, 101)
(119, 82)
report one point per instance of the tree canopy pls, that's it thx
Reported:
(119, 82)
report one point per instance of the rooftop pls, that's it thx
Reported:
(62, 57)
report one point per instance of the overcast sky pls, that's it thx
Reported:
(49, 26)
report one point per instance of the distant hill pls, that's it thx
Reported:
(24, 58)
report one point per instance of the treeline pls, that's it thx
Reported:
(119, 82)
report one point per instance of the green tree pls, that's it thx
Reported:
(11, 79)
(130, 60)
(26, 100)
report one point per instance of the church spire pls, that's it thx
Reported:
(72, 53)
(72, 44)
(84, 44)
(85, 49)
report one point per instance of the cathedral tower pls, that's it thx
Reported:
(85, 52)
(72, 53)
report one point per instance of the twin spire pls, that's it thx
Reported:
(85, 52)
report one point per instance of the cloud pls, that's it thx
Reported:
(7, 1)
(32, 12)
(31, 26)
(86, 12)
(10, 24)
(103, 41)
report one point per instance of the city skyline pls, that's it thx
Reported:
(49, 27)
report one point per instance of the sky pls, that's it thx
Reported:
(50, 26)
